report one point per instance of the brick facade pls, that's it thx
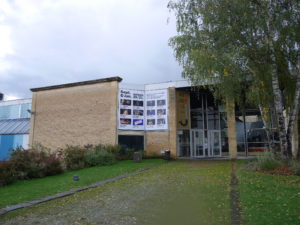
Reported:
(75, 115)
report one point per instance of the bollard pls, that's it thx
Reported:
(76, 178)
(137, 156)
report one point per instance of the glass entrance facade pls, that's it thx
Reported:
(206, 135)
(203, 139)
(205, 125)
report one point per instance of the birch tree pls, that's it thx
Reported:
(250, 46)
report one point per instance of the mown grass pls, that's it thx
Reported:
(27, 190)
(179, 192)
(269, 199)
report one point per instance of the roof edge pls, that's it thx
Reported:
(103, 80)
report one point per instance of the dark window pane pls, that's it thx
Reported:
(131, 141)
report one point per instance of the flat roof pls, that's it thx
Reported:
(109, 79)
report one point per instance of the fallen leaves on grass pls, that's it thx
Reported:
(282, 170)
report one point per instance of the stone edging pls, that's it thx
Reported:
(67, 193)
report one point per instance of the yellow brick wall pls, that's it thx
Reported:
(164, 140)
(157, 141)
(76, 115)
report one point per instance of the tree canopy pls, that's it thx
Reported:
(249, 47)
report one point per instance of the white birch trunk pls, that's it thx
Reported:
(293, 115)
(278, 100)
(279, 112)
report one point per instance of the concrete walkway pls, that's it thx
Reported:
(185, 192)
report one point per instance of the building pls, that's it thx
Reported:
(154, 117)
(14, 126)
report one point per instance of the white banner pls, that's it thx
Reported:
(137, 112)
(131, 109)
(156, 104)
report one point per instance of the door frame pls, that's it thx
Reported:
(211, 148)
(207, 145)
(193, 143)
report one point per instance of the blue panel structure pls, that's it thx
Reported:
(14, 126)
(8, 143)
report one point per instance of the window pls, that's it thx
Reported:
(15, 111)
(135, 142)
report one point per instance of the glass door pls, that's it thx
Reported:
(214, 143)
(197, 143)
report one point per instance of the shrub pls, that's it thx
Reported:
(114, 149)
(53, 165)
(74, 157)
(126, 154)
(7, 174)
(295, 165)
(34, 163)
(99, 158)
(268, 161)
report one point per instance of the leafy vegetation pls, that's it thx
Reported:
(34, 163)
(268, 161)
(249, 50)
(272, 163)
(74, 157)
(7, 174)
(40, 161)
(97, 158)
(27, 190)
(295, 165)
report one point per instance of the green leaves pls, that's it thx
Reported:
(215, 35)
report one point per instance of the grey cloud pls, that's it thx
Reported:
(67, 44)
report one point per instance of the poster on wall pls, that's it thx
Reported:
(131, 109)
(156, 107)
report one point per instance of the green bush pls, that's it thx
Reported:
(74, 157)
(35, 163)
(125, 154)
(295, 165)
(114, 149)
(99, 158)
(7, 174)
(268, 161)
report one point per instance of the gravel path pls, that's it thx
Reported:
(173, 193)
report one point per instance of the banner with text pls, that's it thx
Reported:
(131, 109)
(143, 110)
(156, 108)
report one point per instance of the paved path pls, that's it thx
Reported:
(235, 208)
(174, 193)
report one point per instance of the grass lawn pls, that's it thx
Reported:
(27, 190)
(269, 199)
(178, 192)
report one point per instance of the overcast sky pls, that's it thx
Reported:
(48, 42)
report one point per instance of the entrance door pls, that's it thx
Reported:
(197, 143)
(205, 143)
(214, 142)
